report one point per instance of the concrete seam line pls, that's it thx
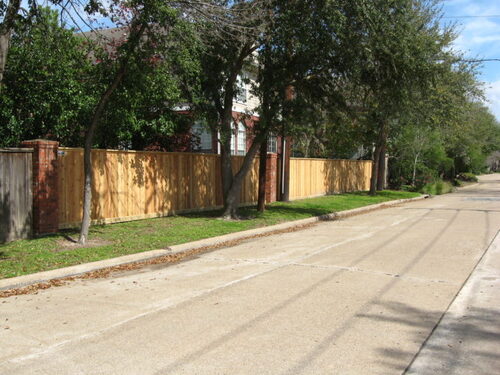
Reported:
(214, 243)
(483, 255)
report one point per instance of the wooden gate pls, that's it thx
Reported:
(16, 200)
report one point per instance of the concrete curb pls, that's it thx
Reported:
(455, 333)
(40, 277)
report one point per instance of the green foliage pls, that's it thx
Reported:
(437, 187)
(54, 78)
(48, 86)
(468, 177)
(141, 113)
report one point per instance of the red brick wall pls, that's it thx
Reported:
(271, 178)
(45, 190)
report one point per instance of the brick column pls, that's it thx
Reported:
(271, 178)
(45, 190)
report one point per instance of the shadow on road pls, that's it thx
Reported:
(476, 331)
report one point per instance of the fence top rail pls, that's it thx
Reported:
(142, 152)
(321, 159)
(12, 150)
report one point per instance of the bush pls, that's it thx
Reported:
(468, 177)
(437, 187)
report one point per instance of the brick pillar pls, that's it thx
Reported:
(271, 178)
(45, 190)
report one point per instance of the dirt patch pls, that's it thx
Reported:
(68, 244)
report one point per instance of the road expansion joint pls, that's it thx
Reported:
(333, 266)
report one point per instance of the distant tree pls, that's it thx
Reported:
(397, 49)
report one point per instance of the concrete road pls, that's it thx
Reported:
(356, 296)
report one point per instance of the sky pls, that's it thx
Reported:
(478, 24)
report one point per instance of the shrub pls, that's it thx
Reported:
(437, 187)
(466, 176)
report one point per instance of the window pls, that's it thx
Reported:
(238, 139)
(272, 144)
(241, 89)
(205, 136)
(242, 139)
(233, 139)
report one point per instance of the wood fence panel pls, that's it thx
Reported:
(16, 197)
(315, 177)
(131, 185)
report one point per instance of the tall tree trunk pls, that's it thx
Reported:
(225, 142)
(374, 177)
(232, 198)
(285, 170)
(414, 174)
(6, 28)
(89, 136)
(286, 151)
(87, 156)
(381, 168)
(261, 205)
(231, 186)
(379, 147)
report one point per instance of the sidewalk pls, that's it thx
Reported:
(467, 340)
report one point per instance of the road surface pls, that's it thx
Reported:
(355, 296)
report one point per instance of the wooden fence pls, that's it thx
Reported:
(315, 177)
(131, 185)
(15, 194)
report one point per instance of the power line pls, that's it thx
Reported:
(478, 60)
(484, 16)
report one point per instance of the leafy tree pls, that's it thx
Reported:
(49, 84)
(300, 67)
(227, 50)
(142, 112)
(397, 49)
(148, 25)
(298, 71)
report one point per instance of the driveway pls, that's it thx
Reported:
(355, 296)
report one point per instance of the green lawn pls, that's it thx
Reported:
(29, 256)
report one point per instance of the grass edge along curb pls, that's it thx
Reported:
(104, 268)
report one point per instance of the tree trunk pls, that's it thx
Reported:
(89, 136)
(225, 142)
(6, 28)
(261, 205)
(286, 152)
(381, 168)
(232, 198)
(414, 174)
(285, 170)
(379, 147)
(373, 179)
(87, 157)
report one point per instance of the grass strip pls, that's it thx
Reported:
(113, 240)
